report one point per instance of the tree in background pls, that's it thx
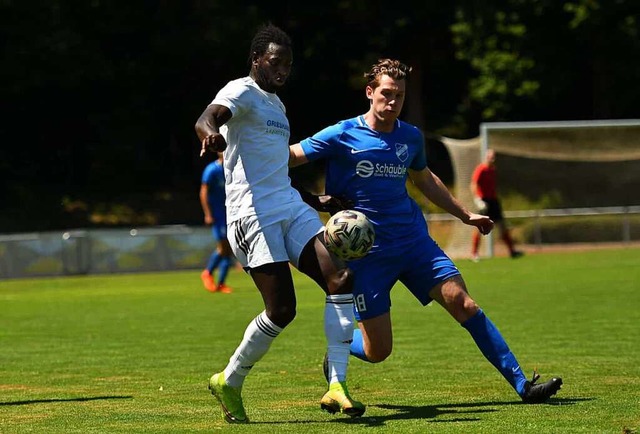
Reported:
(549, 60)
(99, 98)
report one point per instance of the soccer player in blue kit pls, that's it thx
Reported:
(212, 197)
(368, 159)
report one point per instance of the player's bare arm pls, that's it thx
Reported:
(296, 155)
(207, 128)
(204, 192)
(434, 189)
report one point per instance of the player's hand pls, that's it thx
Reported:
(332, 204)
(323, 202)
(482, 222)
(214, 143)
(208, 220)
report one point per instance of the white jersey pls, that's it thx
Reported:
(256, 161)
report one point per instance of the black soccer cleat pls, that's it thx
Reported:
(539, 393)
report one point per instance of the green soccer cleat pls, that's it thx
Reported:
(229, 398)
(337, 400)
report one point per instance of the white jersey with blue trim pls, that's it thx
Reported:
(256, 160)
(370, 168)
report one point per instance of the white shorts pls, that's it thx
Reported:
(281, 240)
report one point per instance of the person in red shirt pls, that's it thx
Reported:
(484, 185)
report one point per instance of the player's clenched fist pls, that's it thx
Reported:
(214, 142)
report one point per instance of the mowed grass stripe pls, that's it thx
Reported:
(132, 353)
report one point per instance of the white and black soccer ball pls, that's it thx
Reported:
(349, 234)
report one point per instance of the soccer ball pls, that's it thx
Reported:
(349, 234)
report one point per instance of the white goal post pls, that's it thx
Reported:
(562, 151)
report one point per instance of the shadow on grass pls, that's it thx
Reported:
(466, 412)
(567, 401)
(45, 401)
(404, 412)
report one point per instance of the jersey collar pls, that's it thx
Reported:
(364, 123)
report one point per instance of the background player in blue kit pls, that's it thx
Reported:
(368, 159)
(212, 199)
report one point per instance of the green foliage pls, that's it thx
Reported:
(562, 230)
(132, 354)
(517, 201)
(107, 93)
(493, 46)
(581, 11)
(517, 77)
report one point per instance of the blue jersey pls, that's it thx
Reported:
(370, 168)
(213, 176)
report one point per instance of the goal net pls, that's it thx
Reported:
(541, 165)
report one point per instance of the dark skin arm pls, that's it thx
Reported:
(333, 204)
(207, 128)
(322, 202)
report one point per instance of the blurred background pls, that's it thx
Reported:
(99, 98)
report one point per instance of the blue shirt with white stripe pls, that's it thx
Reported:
(370, 168)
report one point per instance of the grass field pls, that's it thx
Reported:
(132, 354)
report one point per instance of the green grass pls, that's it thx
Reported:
(132, 354)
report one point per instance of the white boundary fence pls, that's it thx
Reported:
(102, 251)
(99, 251)
(624, 212)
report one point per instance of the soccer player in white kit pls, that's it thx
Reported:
(269, 226)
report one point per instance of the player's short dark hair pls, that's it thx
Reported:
(266, 34)
(393, 68)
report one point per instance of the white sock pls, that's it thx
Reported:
(338, 328)
(256, 342)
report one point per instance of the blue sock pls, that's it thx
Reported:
(225, 261)
(357, 346)
(495, 349)
(214, 260)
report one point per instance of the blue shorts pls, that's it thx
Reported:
(420, 266)
(219, 230)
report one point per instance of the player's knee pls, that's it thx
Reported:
(341, 282)
(470, 306)
(464, 307)
(378, 354)
(281, 316)
(457, 301)
(462, 301)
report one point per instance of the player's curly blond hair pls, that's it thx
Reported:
(393, 68)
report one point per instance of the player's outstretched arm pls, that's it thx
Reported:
(296, 155)
(322, 202)
(207, 128)
(204, 203)
(433, 189)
